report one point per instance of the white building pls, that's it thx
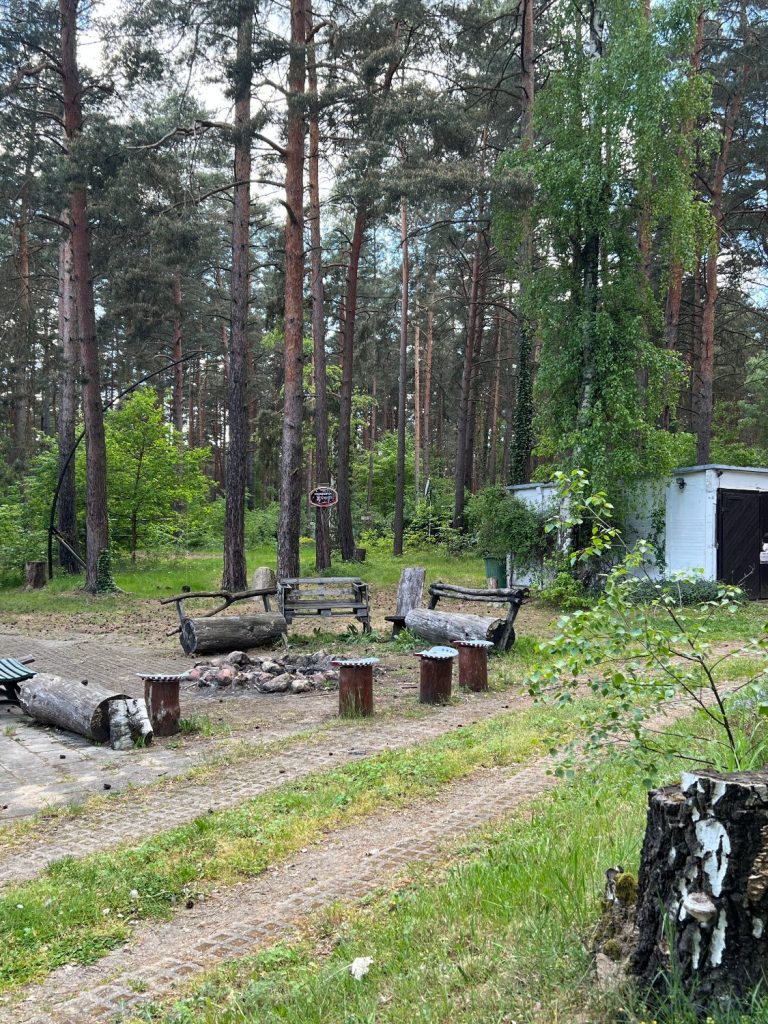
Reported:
(711, 519)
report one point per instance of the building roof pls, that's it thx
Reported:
(719, 468)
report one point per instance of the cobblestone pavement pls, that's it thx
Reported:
(236, 921)
(242, 781)
(233, 923)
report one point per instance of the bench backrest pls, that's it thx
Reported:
(410, 589)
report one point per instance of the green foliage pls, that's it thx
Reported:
(565, 591)
(157, 490)
(17, 544)
(609, 145)
(261, 524)
(105, 581)
(503, 524)
(684, 591)
(634, 656)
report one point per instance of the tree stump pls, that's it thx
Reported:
(230, 632)
(35, 575)
(264, 578)
(703, 888)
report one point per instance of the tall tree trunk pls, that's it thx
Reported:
(346, 533)
(519, 444)
(67, 507)
(177, 402)
(236, 464)
(427, 404)
(491, 466)
(464, 394)
(22, 354)
(401, 389)
(417, 407)
(97, 521)
(322, 527)
(474, 385)
(372, 449)
(675, 286)
(703, 396)
(290, 472)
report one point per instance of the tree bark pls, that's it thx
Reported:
(703, 393)
(71, 704)
(322, 470)
(464, 394)
(401, 384)
(703, 889)
(427, 404)
(67, 419)
(231, 632)
(443, 627)
(177, 402)
(293, 406)
(417, 407)
(97, 521)
(344, 508)
(235, 573)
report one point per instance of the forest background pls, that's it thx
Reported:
(454, 243)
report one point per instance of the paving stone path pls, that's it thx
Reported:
(236, 921)
(242, 781)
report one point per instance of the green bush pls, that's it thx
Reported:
(565, 591)
(261, 524)
(503, 524)
(683, 591)
(18, 542)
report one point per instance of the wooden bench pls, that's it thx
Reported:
(13, 672)
(443, 627)
(338, 595)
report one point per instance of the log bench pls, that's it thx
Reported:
(324, 596)
(204, 634)
(445, 627)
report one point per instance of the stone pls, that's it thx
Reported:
(238, 658)
(242, 679)
(301, 685)
(225, 675)
(276, 684)
(272, 667)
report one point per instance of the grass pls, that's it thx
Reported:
(502, 936)
(80, 909)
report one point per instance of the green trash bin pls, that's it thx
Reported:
(496, 569)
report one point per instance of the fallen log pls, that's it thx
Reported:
(231, 632)
(71, 704)
(444, 627)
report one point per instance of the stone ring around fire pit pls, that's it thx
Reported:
(291, 673)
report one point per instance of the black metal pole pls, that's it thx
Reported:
(76, 445)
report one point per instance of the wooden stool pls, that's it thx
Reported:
(473, 664)
(161, 695)
(355, 686)
(435, 675)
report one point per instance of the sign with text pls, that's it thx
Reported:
(323, 497)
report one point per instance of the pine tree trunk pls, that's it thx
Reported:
(293, 406)
(322, 470)
(417, 407)
(464, 394)
(474, 386)
(177, 402)
(401, 382)
(703, 395)
(67, 506)
(344, 508)
(427, 404)
(235, 469)
(97, 521)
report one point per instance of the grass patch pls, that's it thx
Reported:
(79, 909)
(501, 937)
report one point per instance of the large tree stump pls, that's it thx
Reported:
(70, 704)
(35, 575)
(231, 632)
(445, 627)
(703, 888)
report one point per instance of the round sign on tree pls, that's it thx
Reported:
(323, 496)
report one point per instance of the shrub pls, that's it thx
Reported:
(565, 591)
(683, 591)
(504, 524)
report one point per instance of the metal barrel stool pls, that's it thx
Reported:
(473, 664)
(355, 686)
(435, 675)
(161, 695)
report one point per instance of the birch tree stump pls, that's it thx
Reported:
(70, 704)
(444, 627)
(230, 632)
(703, 888)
